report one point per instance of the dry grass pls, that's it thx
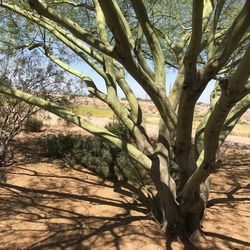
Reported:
(242, 130)
(91, 110)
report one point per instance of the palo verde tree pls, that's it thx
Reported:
(201, 39)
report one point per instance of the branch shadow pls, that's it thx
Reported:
(229, 206)
(226, 200)
(227, 238)
(92, 199)
(33, 217)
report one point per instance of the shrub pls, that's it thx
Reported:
(100, 156)
(33, 125)
(95, 154)
(64, 101)
(119, 129)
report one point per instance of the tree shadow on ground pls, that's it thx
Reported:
(73, 213)
(235, 176)
(228, 207)
(227, 238)
(44, 207)
(35, 196)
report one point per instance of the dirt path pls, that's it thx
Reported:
(46, 207)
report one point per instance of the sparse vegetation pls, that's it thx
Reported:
(97, 155)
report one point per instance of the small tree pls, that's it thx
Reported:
(24, 71)
(202, 40)
(12, 119)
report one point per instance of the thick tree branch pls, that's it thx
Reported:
(139, 54)
(136, 111)
(215, 122)
(212, 28)
(120, 29)
(183, 148)
(237, 81)
(207, 13)
(112, 99)
(175, 92)
(193, 49)
(234, 34)
(233, 117)
(214, 137)
(199, 133)
(233, 91)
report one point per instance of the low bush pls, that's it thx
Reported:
(33, 125)
(95, 154)
(119, 129)
(99, 155)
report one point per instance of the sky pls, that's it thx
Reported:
(139, 92)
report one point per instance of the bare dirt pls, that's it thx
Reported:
(46, 207)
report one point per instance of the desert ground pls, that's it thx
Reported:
(45, 206)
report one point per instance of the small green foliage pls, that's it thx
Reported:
(119, 129)
(33, 125)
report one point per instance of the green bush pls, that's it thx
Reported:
(119, 129)
(59, 145)
(100, 156)
(95, 154)
(33, 125)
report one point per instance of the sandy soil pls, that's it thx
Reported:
(46, 207)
